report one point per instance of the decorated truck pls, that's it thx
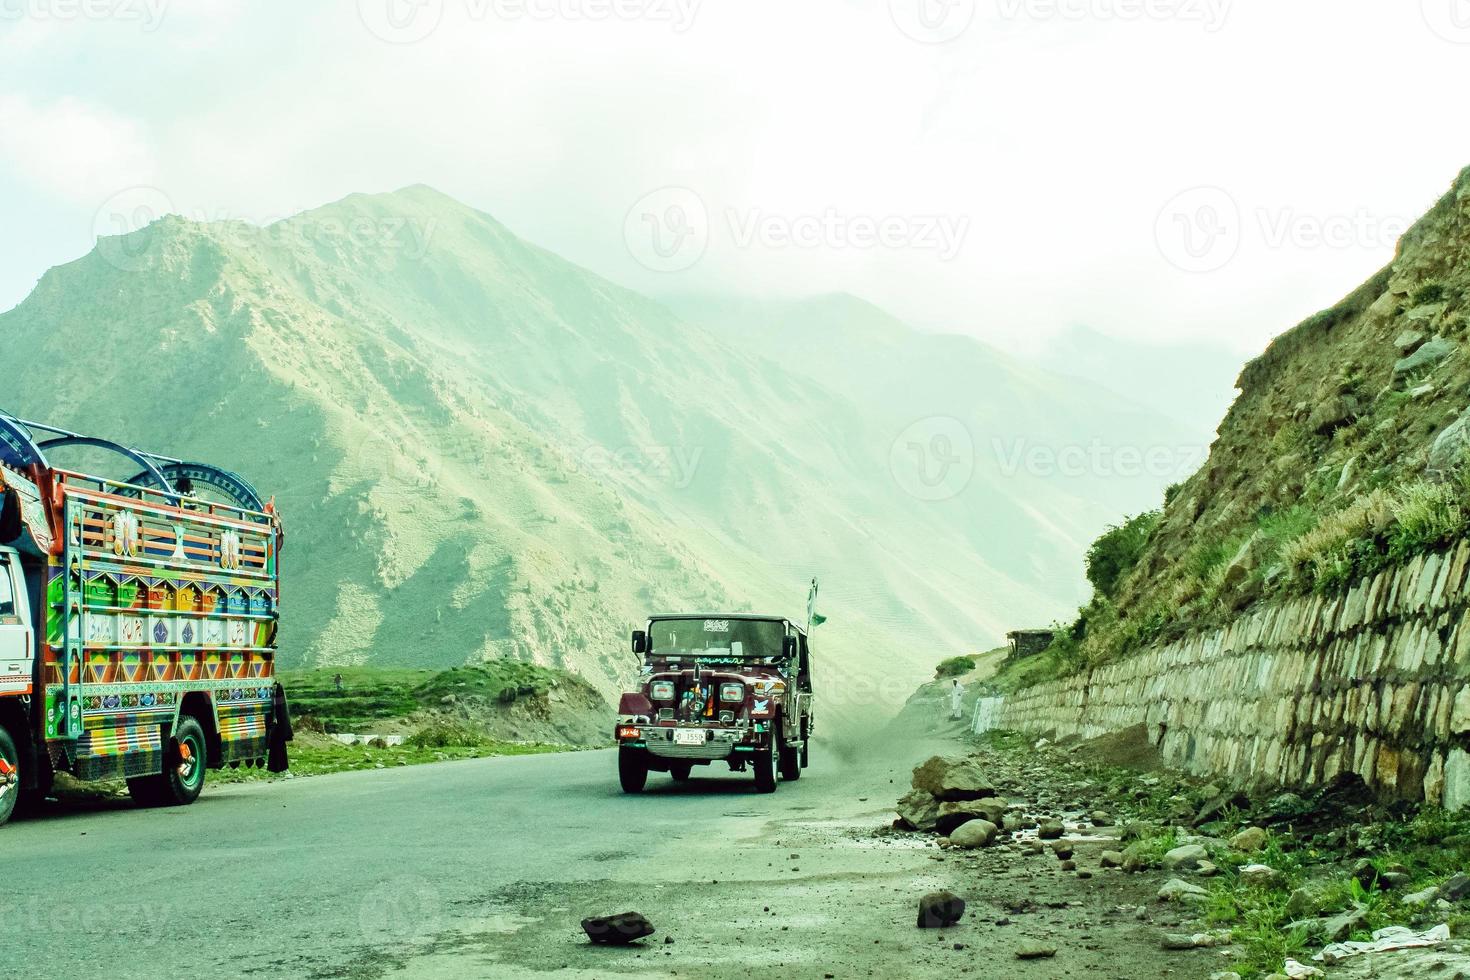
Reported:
(137, 622)
(722, 687)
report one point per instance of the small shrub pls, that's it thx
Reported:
(954, 667)
(1115, 554)
(1433, 292)
(444, 735)
(1426, 515)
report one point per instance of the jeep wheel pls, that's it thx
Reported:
(9, 775)
(680, 771)
(632, 770)
(182, 779)
(790, 760)
(765, 771)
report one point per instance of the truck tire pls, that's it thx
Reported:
(681, 771)
(790, 762)
(10, 776)
(182, 779)
(632, 770)
(765, 771)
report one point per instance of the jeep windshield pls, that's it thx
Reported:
(718, 639)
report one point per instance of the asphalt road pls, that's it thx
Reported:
(476, 868)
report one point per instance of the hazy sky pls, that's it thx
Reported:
(1166, 169)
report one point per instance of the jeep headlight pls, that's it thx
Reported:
(732, 692)
(661, 690)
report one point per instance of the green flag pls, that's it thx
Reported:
(812, 619)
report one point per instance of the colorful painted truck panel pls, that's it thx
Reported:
(151, 617)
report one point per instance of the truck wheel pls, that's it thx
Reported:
(9, 775)
(790, 760)
(681, 771)
(182, 778)
(765, 771)
(632, 770)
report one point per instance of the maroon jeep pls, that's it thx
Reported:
(724, 687)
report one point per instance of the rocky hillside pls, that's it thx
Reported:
(482, 451)
(1343, 454)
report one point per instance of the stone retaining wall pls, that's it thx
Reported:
(1376, 682)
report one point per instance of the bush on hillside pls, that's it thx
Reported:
(954, 667)
(1114, 555)
(444, 735)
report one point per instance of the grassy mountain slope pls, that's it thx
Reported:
(483, 451)
(1344, 453)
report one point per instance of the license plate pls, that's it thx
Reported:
(689, 736)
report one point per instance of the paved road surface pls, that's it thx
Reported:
(484, 868)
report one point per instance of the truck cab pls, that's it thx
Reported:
(717, 687)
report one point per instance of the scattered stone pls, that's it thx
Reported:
(1110, 859)
(1259, 875)
(1083, 873)
(1429, 355)
(1250, 840)
(1182, 891)
(617, 930)
(1337, 928)
(940, 910)
(1303, 903)
(1455, 889)
(1224, 975)
(1207, 869)
(953, 778)
(1409, 341)
(1448, 449)
(1063, 850)
(1051, 830)
(975, 833)
(1101, 818)
(1035, 951)
(1033, 848)
(1180, 941)
(1395, 880)
(1419, 900)
(1185, 858)
(1069, 865)
(955, 814)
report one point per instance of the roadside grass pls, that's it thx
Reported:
(316, 756)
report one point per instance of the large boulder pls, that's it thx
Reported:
(918, 810)
(940, 910)
(1250, 840)
(952, 778)
(1426, 357)
(1182, 891)
(617, 930)
(1186, 858)
(975, 833)
(1447, 451)
(954, 815)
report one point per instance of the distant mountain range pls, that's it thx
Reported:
(481, 450)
